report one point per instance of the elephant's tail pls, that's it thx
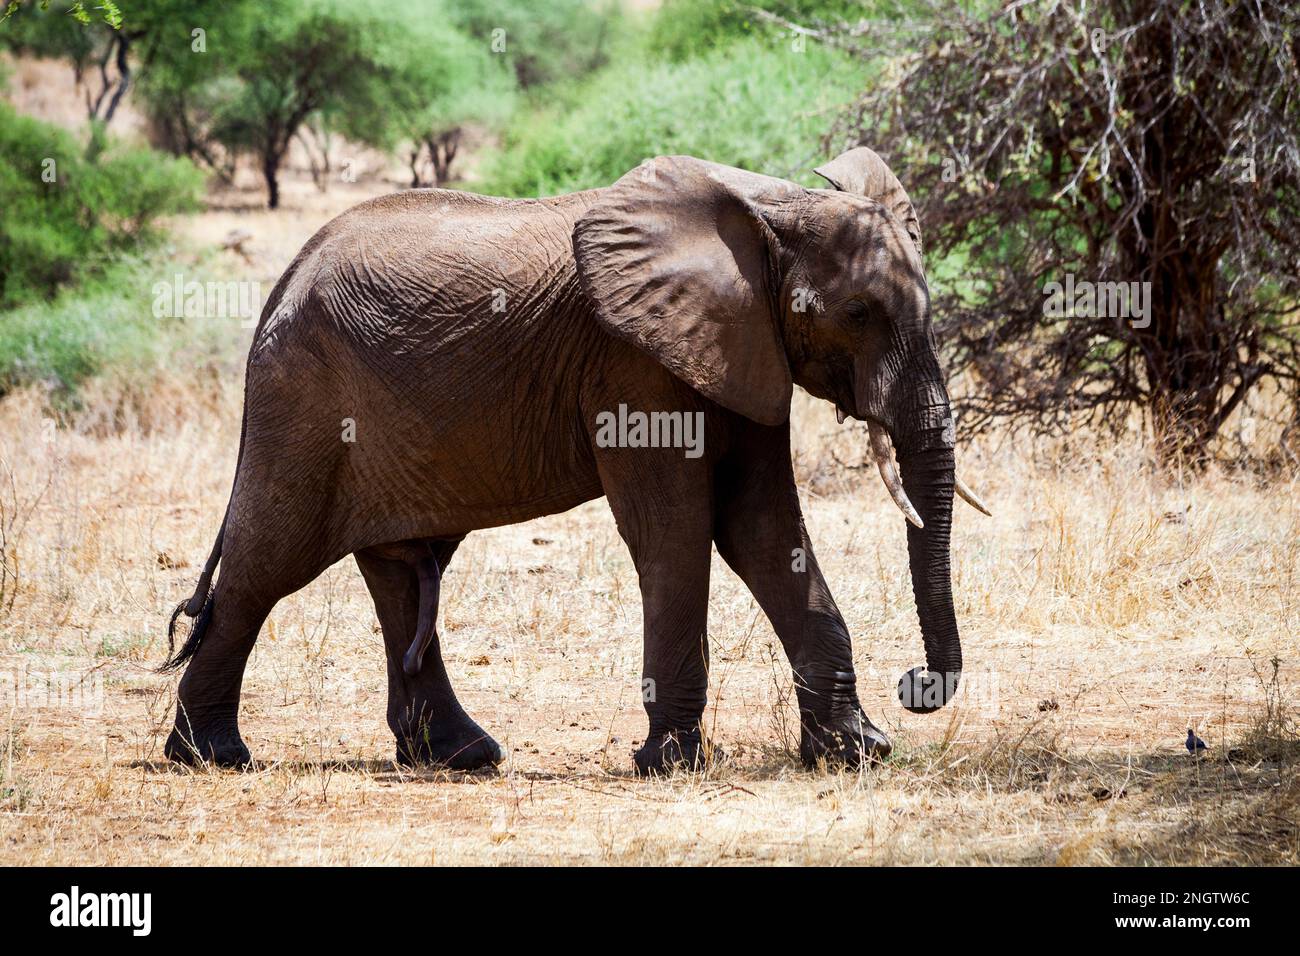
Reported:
(198, 607)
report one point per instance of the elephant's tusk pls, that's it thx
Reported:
(883, 452)
(969, 496)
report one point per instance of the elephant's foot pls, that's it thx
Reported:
(847, 740)
(219, 747)
(675, 750)
(458, 745)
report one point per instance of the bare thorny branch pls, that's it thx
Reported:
(1145, 141)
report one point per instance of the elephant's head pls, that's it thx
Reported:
(743, 284)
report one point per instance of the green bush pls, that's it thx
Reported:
(430, 76)
(61, 343)
(108, 327)
(756, 104)
(91, 210)
(684, 29)
(544, 42)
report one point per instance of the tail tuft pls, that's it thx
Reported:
(199, 606)
(201, 621)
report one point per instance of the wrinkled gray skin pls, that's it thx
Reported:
(474, 341)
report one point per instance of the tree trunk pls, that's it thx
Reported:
(416, 181)
(312, 145)
(442, 149)
(1190, 359)
(271, 172)
(123, 80)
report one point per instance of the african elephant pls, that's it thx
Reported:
(478, 348)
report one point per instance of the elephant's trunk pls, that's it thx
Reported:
(927, 462)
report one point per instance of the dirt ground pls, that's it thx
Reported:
(1105, 610)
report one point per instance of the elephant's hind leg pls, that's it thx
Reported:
(423, 713)
(207, 699)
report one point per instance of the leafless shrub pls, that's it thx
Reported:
(1274, 735)
(16, 510)
(1132, 141)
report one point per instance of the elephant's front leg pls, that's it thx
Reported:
(760, 533)
(424, 715)
(662, 503)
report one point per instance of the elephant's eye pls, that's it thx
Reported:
(856, 311)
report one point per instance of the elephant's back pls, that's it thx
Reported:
(420, 270)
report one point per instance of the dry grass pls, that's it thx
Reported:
(1105, 608)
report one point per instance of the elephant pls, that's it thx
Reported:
(436, 362)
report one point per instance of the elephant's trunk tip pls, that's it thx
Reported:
(923, 691)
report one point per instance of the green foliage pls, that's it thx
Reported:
(429, 76)
(543, 42)
(379, 72)
(756, 104)
(106, 326)
(298, 58)
(685, 29)
(47, 31)
(61, 231)
(112, 55)
(60, 343)
(106, 11)
(274, 70)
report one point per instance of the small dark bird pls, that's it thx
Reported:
(1194, 743)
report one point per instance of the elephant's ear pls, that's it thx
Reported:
(862, 171)
(678, 262)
